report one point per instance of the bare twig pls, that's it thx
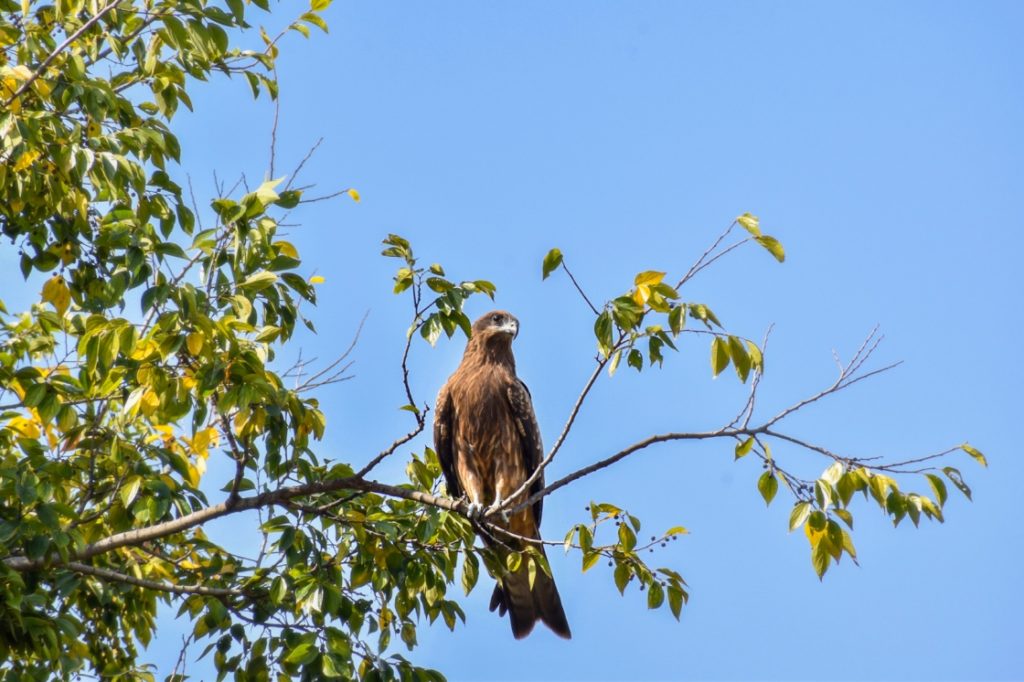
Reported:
(318, 379)
(700, 261)
(273, 131)
(298, 169)
(579, 288)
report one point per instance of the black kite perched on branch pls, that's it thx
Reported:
(488, 442)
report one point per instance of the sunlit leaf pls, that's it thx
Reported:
(551, 261)
(750, 223)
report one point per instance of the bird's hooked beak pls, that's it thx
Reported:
(510, 326)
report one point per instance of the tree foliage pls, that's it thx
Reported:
(151, 349)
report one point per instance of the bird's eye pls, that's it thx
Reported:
(496, 318)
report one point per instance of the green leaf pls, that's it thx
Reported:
(980, 458)
(675, 600)
(470, 572)
(431, 329)
(756, 358)
(938, 487)
(655, 595)
(677, 319)
(129, 490)
(719, 356)
(439, 284)
(333, 666)
(258, 281)
(801, 510)
(590, 559)
(586, 538)
(954, 475)
(627, 538)
(622, 574)
(845, 515)
(768, 485)
(676, 530)
(773, 246)
(744, 448)
(740, 360)
(750, 223)
(301, 654)
(551, 261)
(603, 332)
(820, 558)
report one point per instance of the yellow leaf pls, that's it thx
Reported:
(93, 129)
(8, 86)
(149, 403)
(56, 291)
(750, 223)
(195, 342)
(641, 295)
(25, 160)
(42, 87)
(649, 278)
(165, 431)
(202, 441)
(354, 194)
(194, 474)
(141, 351)
(27, 428)
(287, 249)
(316, 279)
(82, 202)
(51, 437)
(18, 389)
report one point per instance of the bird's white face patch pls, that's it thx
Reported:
(508, 326)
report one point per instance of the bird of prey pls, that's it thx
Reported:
(488, 442)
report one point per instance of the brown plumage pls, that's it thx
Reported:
(488, 442)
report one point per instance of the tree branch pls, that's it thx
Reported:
(158, 585)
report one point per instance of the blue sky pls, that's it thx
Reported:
(880, 142)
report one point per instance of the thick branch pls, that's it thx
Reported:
(138, 536)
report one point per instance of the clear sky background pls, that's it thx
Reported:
(880, 142)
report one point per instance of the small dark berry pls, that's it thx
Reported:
(609, 563)
(653, 538)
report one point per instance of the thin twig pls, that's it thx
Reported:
(579, 288)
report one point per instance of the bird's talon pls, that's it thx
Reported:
(475, 511)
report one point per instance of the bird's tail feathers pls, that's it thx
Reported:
(525, 606)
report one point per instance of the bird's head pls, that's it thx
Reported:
(497, 324)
